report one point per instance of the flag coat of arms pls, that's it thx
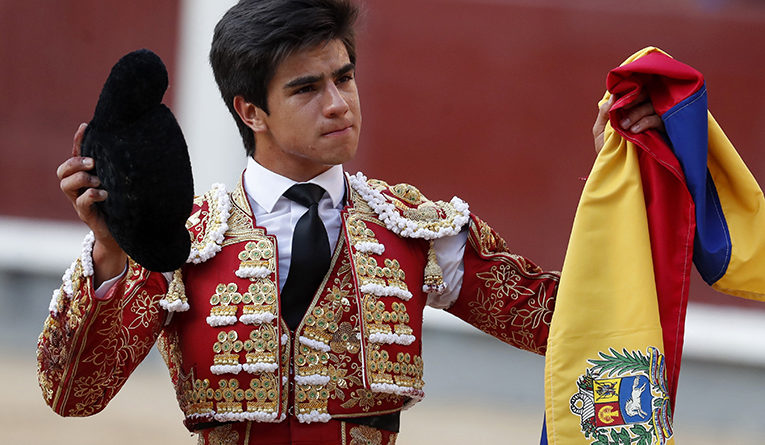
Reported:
(651, 207)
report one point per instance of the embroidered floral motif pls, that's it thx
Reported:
(345, 339)
(128, 324)
(489, 315)
(504, 280)
(145, 312)
(366, 399)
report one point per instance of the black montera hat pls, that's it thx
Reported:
(143, 163)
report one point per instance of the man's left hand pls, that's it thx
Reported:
(640, 116)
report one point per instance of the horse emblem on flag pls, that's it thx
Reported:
(622, 399)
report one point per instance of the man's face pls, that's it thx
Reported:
(314, 119)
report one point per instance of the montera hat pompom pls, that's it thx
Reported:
(143, 163)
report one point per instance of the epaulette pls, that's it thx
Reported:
(407, 212)
(207, 225)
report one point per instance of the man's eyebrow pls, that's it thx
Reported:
(304, 80)
(345, 69)
(307, 80)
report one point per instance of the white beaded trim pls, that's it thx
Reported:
(313, 379)
(390, 388)
(54, 300)
(385, 291)
(253, 272)
(257, 416)
(314, 416)
(311, 343)
(265, 317)
(86, 258)
(175, 306)
(217, 228)
(67, 288)
(285, 339)
(403, 226)
(225, 369)
(254, 368)
(220, 320)
(369, 247)
(399, 339)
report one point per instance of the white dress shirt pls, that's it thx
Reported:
(279, 216)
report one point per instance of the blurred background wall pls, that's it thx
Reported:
(491, 100)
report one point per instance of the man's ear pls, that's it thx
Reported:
(251, 115)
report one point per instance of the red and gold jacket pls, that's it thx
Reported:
(357, 351)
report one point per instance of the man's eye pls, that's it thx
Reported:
(305, 89)
(345, 78)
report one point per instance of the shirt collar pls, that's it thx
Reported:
(266, 187)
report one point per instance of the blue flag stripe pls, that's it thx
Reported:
(686, 125)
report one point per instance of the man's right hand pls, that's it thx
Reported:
(79, 186)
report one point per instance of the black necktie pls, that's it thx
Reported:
(310, 255)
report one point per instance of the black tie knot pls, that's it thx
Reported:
(305, 194)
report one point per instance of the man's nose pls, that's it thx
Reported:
(335, 101)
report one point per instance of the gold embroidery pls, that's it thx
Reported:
(359, 232)
(258, 254)
(366, 399)
(240, 226)
(176, 290)
(260, 301)
(201, 398)
(365, 435)
(381, 321)
(206, 221)
(434, 275)
(144, 310)
(370, 272)
(260, 396)
(221, 435)
(345, 339)
(261, 348)
(227, 349)
(405, 371)
(487, 314)
(408, 193)
(224, 304)
(490, 241)
(170, 350)
(504, 280)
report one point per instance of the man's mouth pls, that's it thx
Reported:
(340, 130)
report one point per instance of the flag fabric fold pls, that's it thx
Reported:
(651, 207)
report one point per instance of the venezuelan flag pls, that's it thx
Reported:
(651, 207)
